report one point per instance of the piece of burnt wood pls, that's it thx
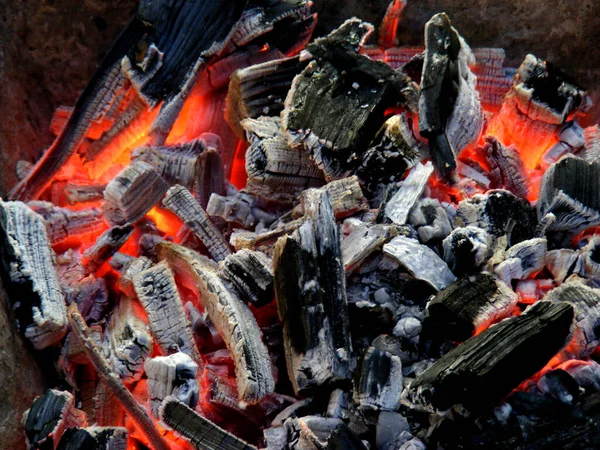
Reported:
(172, 375)
(23, 168)
(231, 317)
(450, 115)
(393, 151)
(315, 432)
(588, 264)
(128, 271)
(561, 263)
(363, 241)
(486, 367)
(94, 438)
(29, 271)
(113, 382)
(246, 239)
(107, 410)
(210, 174)
(82, 193)
(238, 209)
(499, 213)
(132, 193)
(591, 147)
(251, 273)
(409, 192)
(260, 90)
(379, 381)
(128, 341)
(107, 244)
(157, 292)
(431, 220)
(569, 198)
(470, 305)
(504, 167)
(201, 432)
(467, 249)
(337, 104)
(62, 223)
(523, 260)
(420, 261)
(50, 415)
(310, 289)
(276, 170)
(571, 139)
(586, 303)
(182, 202)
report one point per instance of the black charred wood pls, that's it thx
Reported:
(252, 274)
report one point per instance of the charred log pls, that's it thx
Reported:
(94, 438)
(252, 274)
(107, 244)
(62, 223)
(411, 188)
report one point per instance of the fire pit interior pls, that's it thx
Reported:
(247, 236)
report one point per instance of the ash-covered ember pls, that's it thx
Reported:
(241, 239)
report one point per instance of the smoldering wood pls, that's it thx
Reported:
(114, 383)
(561, 263)
(82, 193)
(210, 176)
(128, 271)
(588, 265)
(522, 260)
(94, 438)
(232, 318)
(181, 202)
(505, 169)
(107, 244)
(62, 223)
(379, 381)
(569, 199)
(545, 93)
(315, 432)
(127, 340)
(363, 241)
(50, 415)
(409, 192)
(132, 193)
(260, 90)
(239, 209)
(252, 241)
(107, 410)
(23, 168)
(571, 139)
(591, 146)
(420, 261)
(29, 271)
(201, 432)
(335, 128)
(486, 367)
(466, 249)
(431, 220)
(393, 151)
(469, 305)
(251, 273)
(586, 303)
(499, 213)
(276, 170)
(172, 375)
(560, 385)
(157, 292)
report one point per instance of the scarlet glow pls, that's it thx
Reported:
(165, 221)
(238, 168)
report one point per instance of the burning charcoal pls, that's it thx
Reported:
(431, 220)
(276, 438)
(345, 195)
(591, 147)
(393, 151)
(545, 93)
(128, 341)
(50, 415)
(450, 114)
(379, 381)
(470, 305)
(466, 249)
(586, 303)
(520, 347)
(311, 298)
(399, 206)
(561, 263)
(588, 265)
(181, 202)
(237, 209)
(107, 244)
(172, 375)
(392, 431)
(94, 438)
(113, 382)
(314, 432)
(76, 193)
(260, 90)
(571, 139)
(504, 167)
(363, 241)
(408, 327)
(499, 213)
(252, 274)
(201, 432)
(560, 385)
(30, 272)
(232, 318)
(337, 104)
(129, 271)
(522, 260)
(62, 223)
(132, 193)
(107, 410)
(585, 373)
(569, 198)
(158, 294)
(250, 240)
(420, 261)
(275, 170)
(211, 176)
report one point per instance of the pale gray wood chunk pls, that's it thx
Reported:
(62, 223)
(522, 260)
(379, 382)
(411, 189)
